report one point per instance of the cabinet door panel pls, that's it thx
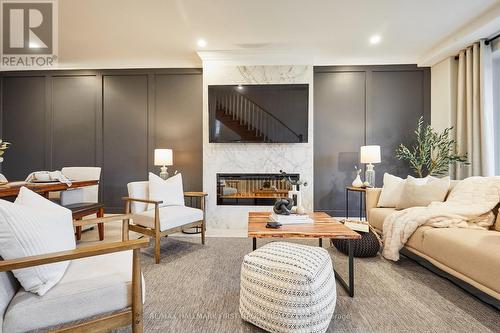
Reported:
(125, 133)
(24, 125)
(397, 104)
(339, 131)
(178, 125)
(74, 121)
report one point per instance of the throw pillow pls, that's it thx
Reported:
(391, 191)
(170, 191)
(416, 192)
(32, 226)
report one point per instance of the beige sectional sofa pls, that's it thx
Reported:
(470, 258)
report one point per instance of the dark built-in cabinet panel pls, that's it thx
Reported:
(340, 127)
(178, 124)
(24, 125)
(125, 123)
(108, 118)
(74, 121)
(359, 105)
(398, 101)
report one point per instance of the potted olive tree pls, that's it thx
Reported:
(433, 153)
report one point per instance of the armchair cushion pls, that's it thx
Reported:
(169, 191)
(8, 288)
(138, 190)
(170, 217)
(83, 292)
(31, 226)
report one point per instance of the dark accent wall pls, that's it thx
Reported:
(108, 118)
(359, 105)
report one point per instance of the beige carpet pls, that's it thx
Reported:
(196, 289)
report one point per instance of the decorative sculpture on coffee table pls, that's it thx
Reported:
(295, 192)
(283, 206)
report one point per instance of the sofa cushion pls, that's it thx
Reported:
(170, 217)
(416, 241)
(91, 286)
(378, 215)
(415, 193)
(473, 253)
(32, 226)
(391, 191)
(169, 191)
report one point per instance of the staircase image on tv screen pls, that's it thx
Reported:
(270, 113)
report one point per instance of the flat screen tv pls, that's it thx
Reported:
(267, 113)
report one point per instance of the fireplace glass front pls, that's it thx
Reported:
(252, 189)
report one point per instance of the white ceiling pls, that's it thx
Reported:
(163, 33)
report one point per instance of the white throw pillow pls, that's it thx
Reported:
(170, 191)
(391, 191)
(416, 192)
(33, 225)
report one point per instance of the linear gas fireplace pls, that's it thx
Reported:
(252, 189)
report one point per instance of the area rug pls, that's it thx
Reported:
(196, 289)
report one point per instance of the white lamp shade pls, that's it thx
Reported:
(163, 157)
(370, 154)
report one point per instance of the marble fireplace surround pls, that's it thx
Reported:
(252, 157)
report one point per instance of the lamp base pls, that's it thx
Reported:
(370, 175)
(164, 172)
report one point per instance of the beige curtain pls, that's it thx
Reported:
(474, 115)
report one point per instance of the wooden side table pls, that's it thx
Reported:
(362, 191)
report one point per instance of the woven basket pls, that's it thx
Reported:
(367, 246)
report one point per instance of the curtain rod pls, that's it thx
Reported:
(487, 42)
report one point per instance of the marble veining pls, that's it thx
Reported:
(272, 74)
(252, 157)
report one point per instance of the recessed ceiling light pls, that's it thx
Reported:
(202, 43)
(375, 39)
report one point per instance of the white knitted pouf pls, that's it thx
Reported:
(288, 287)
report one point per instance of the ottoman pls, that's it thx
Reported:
(288, 287)
(367, 246)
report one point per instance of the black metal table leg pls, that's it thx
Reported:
(351, 269)
(254, 241)
(320, 242)
(346, 203)
(360, 206)
(349, 288)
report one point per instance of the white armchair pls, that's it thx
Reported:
(102, 289)
(161, 221)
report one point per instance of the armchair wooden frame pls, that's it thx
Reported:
(130, 316)
(155, 232)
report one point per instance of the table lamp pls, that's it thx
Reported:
(163, 157)
(370, 155)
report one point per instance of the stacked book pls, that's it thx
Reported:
(357, 225)
(290, 219)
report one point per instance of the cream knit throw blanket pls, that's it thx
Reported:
(469, 205)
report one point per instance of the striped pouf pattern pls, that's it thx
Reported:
(288, 287)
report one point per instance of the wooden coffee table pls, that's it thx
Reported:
(324, 226)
